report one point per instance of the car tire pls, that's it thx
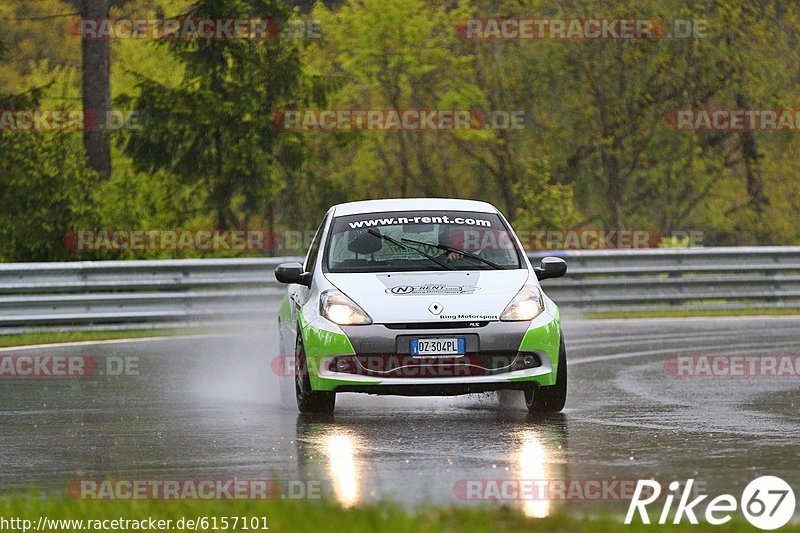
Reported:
(550, 399)
(309, 401)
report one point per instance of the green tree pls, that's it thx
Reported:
(408, 55)
(44, 187)
(215, 129)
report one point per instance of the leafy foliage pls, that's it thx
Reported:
(44, 187)
(595, 149)
(214, 128)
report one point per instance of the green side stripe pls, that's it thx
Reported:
(547, 339)
(285, 311)
(318, 344)
(557, 313)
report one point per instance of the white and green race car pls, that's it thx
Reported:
(426, 296)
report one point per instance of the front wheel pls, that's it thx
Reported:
(550, 399)
(309, 401)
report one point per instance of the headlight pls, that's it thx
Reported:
(526, 305)
(340, 309)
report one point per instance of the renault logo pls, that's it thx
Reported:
(435, 308)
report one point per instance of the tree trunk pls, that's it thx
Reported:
(614, 191)
(96, 91)
(506, 172)
(750, 157)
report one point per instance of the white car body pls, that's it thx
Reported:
(434, 303)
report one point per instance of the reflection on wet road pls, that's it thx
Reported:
(208, 408)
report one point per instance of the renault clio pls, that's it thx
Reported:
(420, 297)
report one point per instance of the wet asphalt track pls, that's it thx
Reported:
(208, 408)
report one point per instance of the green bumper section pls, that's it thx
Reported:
(321, 343)
(546, 339)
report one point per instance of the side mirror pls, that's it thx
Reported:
(551, 267)
(293, 273)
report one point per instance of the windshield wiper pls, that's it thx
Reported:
(407, 247)
(457, 251)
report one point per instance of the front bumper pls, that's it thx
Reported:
(499, 355)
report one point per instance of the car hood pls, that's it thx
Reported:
(432, 296)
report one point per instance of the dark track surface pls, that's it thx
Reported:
(208, 408)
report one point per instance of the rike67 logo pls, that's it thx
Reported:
(767, 503)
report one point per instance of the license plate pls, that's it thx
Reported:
(438, 346)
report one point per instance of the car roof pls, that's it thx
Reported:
(412, 204)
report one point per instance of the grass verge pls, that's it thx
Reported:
(304, 515)
(689, 313)
(47, 337)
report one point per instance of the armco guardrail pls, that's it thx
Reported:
(230, 290)
(696, 278)
(137, 292)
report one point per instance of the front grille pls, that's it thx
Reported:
(408, 366)
(438, 325)
(450, 389)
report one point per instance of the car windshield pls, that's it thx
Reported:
(420, 240)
